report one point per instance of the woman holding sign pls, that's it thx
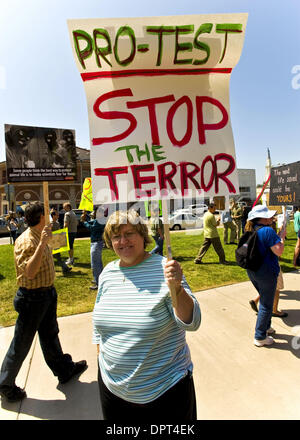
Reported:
(145, 368)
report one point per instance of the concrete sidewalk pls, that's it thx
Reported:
(234, 380)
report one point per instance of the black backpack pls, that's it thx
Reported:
(247, 254)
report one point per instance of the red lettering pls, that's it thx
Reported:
(189, 130)
(198, 176)
(111, 174)
(164, 177)
(140, 180)
(212, 175)
(185, 175)
(200, 100)
(151, 103)
(114, 115)
(224, 174)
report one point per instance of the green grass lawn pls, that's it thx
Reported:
(74, 295)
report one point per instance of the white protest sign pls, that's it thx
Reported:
(157, 93)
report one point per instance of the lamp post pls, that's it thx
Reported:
(81, 172)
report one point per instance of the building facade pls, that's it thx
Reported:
(20, 193)
(247, 184)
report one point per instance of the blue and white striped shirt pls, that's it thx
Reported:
(143, 351)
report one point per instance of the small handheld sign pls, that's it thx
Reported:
(285, 185)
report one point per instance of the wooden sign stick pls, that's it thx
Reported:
(46, 202)
(168, 245)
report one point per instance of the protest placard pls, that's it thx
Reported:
(157, 92)
(39, 154)
(285, 185)
(59, 241)
(86, 202)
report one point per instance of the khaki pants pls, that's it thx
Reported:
(216, 242)
(229, 226)
(238, 228)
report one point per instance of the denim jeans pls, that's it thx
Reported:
(264, 280)
(158, 249)
(37, 313)
(96, 259)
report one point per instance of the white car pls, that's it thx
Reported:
(198, 208)
(184, 220)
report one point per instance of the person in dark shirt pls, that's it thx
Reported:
(96, 228)
(246, 211)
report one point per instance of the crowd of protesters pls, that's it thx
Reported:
(123, 281)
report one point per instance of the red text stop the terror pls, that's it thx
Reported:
(151, 104)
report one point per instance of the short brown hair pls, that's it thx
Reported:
(33, 213)
(119, 218)
(67, 205)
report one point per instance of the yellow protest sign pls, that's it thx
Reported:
(86, 201)
(59, 241)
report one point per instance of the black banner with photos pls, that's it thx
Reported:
(39, 153)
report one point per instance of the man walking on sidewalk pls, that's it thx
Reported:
(36, 303)
(211, 236)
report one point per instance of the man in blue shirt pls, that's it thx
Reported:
(96, 228)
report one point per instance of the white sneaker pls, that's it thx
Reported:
(270, 331)
(260, 343)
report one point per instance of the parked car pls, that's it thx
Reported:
(198, 208)
(82, 231)
(3, 227)
(185, 221)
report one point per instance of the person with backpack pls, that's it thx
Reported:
(280, 285)
(270, 246)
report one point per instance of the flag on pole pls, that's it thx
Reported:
(262, 191)
(86, 202)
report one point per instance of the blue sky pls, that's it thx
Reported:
(40, 84)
